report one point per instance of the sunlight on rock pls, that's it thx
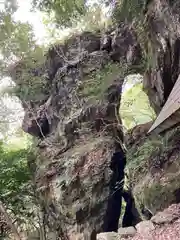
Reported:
(135, 107)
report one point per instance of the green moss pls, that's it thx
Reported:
(155, 189)
(149, 151)
(134, 11)
(158, 195)
(96, 83)
(138, 158)
(28, 86)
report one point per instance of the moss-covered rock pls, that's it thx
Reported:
(153, 168)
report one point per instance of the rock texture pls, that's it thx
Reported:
(164, 52)
(126, 232)
(74, 114)
(78, 130)
(135, 134)
(154, 173)
(148, 230)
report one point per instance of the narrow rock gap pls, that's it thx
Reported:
(131, 216)
(111, 220)
(116, 189)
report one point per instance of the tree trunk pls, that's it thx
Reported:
(9, 222)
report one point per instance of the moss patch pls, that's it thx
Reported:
(158, 194)
(138, 158)
(96, 83)
(153, 167)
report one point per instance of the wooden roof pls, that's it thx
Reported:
(170, 113)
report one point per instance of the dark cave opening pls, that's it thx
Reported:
(131, 216)
(111, 220)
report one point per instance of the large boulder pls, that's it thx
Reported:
(153, 169)
(78, 129)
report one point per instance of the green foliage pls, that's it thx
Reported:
(18, 44)
(14, 177)
(123, 207)
(74, 15)
(15, 38)
(144, 155)
(134, 11)
(9, 6)
(129, 9)
(97, 82)
(138, 158)
(65, 11)
(135, 107)
(94, 20)
(17, 190)
(28, 86)
(31, 88)
(146, 162)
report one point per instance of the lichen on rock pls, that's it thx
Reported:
(153, 169)
(79, 129)
(74, 113)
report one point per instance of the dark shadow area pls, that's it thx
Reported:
(147, 214)
(111, 220)
(131, 216)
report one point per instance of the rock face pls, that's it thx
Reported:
(74, 114)
(164, 38)
(136, 133)
(79, 130)
(153, 170)
(156, 229)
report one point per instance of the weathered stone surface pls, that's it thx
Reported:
(73, 175)
(164, 34)
(107, 236)
(137, 133)
(162, 218)
(124, 45)
(146, 230)
(156, 180)
(126, 232)
(75, 197)
(169, 215)
(165, 230)
(145, 227)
